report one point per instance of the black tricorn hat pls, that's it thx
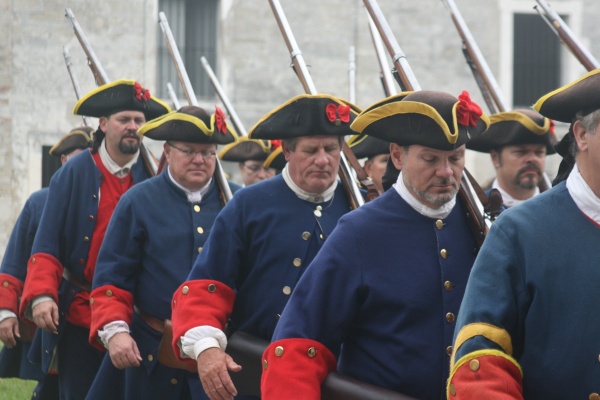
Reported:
(581, 95)
(77, 138)
(190, 124)
(365, 146)
(248, 149)
(120, 95)
(427, 118)
(521, 126)
(307, 115)
(276, 159)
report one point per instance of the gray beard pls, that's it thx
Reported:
(434, 200)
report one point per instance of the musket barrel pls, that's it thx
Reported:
(67, 57)
(352, 74)
(173, 96)
(387, 78)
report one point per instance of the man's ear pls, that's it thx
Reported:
(103, 121)
(581, 136)
(496, 158)
(397, 154)
(286, 151)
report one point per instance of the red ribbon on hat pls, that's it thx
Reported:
(275, 144)
(140, 92)
(220, 120)
(336, 113)
(467, 111)
(551, 129)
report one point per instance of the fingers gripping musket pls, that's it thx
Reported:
(567, 37)
(188, 90)
(74, 81)
(352, 190)
(469, 188)
(101, 78)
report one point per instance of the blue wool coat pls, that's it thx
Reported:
(537, 278)
(152, 241)
(382, 296)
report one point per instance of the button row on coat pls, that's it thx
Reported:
(279, 350)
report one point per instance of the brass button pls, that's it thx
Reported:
(86, 238)
(185, 290)
(91, 217)
(109, 292)
(5, 283)
(594, 396)
(199, 249)
(92, 300)
(150, 357)
(197, 208)
(444, 253)
(449, 350)
(452, 390)
(322, 237)
(265, 364)
(279, 351)
(474, 365)
(72, 291)
(287, 290)
(94, 196)
(212, 288)
(439, 224)
(81, 261)
(450, 317)
(306, 235)
(312, 352)
(200, 230)
(277, 316)
(33, 260)
(448, 286)
(297, 262)
(174, 381)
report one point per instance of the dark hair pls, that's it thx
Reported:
(98, 138)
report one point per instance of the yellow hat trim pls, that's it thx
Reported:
(524, 120)
(267, 163)
(355, 140)
(242, 139)
(68, 135)
(495, 334)
(177, 116)
(538, 105)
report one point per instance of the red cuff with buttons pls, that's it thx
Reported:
(292, 366)
(200, 303)
(44, 273)
(486, 374)
(10, 291)
(108, 303)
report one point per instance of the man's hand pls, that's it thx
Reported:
(9, 332)
(123, 351)
(45, 316)
(213, 366)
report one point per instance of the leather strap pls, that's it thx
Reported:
(150, 320)
(81, 284)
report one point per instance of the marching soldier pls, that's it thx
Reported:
(157, 230)
(264, 239)
(17, 335)
(250, 155)
(378, 303)
(518, 142)
(81, 199)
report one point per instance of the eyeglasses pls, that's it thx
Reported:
(255, 168)
(206, 154)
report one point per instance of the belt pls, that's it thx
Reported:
(150, 320)
(81, 284)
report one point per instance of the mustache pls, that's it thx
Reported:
(528, 168)
(444, 181)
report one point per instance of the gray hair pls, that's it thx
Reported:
(589, 122)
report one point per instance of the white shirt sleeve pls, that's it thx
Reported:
(200, 338)
(5, 313)
(111, 329)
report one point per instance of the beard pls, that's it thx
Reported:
(528, 182)
(435, 200)
(127, 147)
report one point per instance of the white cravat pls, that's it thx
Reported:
(507, 199)
(304, 195)
(583, 196)
(193, 196)
(419, 207)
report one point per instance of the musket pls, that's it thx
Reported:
(479, 67)
(101, 78)
(353, 192)
(470, 191)
(188, 90)
(387, 79)
(352, 74)
(74, 81)
(237, 123)
(173, 96)
(566, 36)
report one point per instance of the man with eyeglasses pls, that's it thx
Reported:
(82, 196)
(157, 231)
(250, 155)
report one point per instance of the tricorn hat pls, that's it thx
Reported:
(248, 149)
(521, 126)
(427, 118)
(365, 146)
(276, 159)
(120, 95)
(190, 124)
(77, 138)
(307, 115)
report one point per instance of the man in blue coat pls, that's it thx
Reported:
(81, 199)
(264, 239)
(379, 301)
(529, 324)
(17, 341)
(157, 230)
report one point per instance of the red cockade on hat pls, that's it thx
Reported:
(220, 120)
(336, 113)
(467, 111)
(275, 144)
(140, 92)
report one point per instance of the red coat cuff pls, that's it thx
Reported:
(10, 291)
(292, 366)
(485, 374)
(199, 303)
(109, 303)
(44, 273)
